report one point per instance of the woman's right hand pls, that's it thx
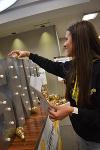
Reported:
(19, 54)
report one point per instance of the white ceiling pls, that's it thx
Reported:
(62, 18)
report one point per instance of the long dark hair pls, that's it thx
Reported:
(86, 46)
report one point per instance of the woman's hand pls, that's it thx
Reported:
(59, 112)
(19, 54)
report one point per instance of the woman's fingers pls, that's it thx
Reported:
(52, 112)
(51, 106)
(52, 116)
(14, 53)
(53, 120)
(19, 54)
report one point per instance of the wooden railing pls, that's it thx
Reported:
(33, 129)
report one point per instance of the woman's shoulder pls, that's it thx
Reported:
(68, 63)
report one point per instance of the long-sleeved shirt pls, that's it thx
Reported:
(87, 122)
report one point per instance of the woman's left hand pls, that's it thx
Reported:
(59, 112)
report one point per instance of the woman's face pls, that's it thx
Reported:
(68, 44)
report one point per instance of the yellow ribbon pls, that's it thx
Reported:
(75, 92)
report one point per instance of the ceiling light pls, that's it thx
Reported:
(99, 36)
(4, 4)
(13, 33)
(89, 16)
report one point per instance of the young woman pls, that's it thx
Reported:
(82, 75)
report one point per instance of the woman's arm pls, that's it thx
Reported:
(57, 68)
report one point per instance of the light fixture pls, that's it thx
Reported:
(1, 76)
(15, 77)
(25, 88)
(4, 102)
(23, 94)
(8, 139)
(11, 122)
(99, 36)
(11, 67)
(90, 16)
(8, 108)
(19, 86)
(13, 33)
(16, 93)
(4, 4)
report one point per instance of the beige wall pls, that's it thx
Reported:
(41, 41)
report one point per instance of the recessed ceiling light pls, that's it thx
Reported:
(89, 16)
(42, 26)
(13, 33)
(4, 4)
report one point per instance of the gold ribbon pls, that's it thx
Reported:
(75, 92)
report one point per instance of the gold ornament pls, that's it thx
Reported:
(20, 133)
